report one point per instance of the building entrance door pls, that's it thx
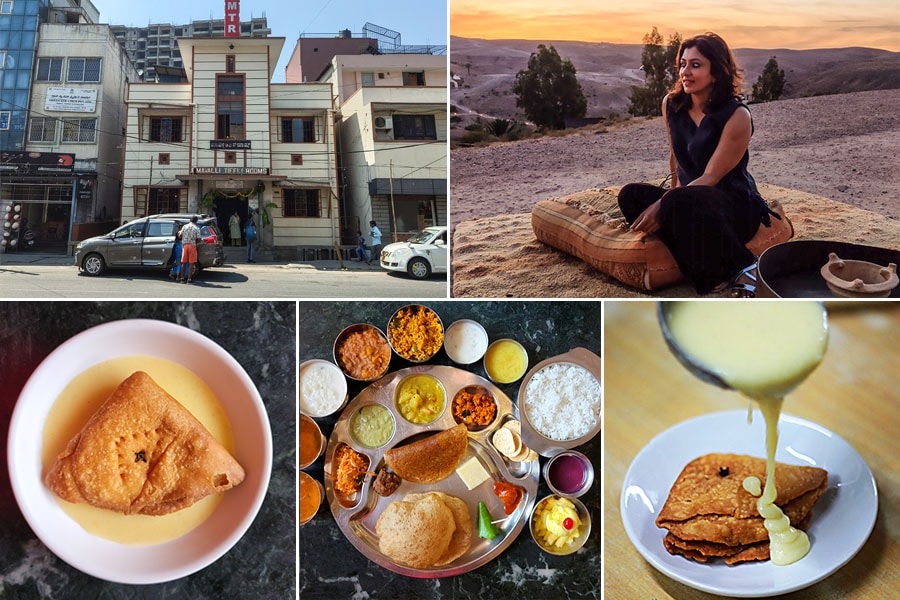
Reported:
(225, 208)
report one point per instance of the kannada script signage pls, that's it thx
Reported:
(232, 18)
(230, 171)
(229, 144)
(71, 99)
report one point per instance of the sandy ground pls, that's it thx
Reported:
(843, 148)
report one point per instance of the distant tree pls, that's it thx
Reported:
(548, 90)
(770, 84)
(660, 74)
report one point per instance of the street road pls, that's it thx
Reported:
(231, 281)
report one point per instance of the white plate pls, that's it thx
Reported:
(842, 519)
(160, 562)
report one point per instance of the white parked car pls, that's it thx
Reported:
(420, 256)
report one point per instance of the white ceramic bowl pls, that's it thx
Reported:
(155, 563)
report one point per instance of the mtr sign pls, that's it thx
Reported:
(232, 18)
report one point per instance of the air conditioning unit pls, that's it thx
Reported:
(383, 123)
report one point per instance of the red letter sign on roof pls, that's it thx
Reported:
(232, 18)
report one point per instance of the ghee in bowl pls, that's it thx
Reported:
(505, 361)
(420, 398)
(372, 425)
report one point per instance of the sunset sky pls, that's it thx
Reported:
(796, 24)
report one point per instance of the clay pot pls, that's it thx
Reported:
(859, 278)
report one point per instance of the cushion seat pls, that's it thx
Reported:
(586, 226)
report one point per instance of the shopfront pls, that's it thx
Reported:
(37, 193)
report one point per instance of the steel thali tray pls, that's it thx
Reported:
(357, 515)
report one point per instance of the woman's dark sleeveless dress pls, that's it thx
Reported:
(705, 227)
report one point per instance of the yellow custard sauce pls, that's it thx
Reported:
(84, 395)
(763, 350)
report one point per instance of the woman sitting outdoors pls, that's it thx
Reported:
(713, 207)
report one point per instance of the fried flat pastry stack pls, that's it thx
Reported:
(709, 513)
(142, 452)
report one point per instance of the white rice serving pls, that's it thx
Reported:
(562, 401)
(322, 388)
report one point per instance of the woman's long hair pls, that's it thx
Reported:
(726, 74)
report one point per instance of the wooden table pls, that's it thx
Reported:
(855, 393)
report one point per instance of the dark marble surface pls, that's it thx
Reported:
(261, 336)
(330, 567)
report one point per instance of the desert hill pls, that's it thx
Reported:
(485, 71)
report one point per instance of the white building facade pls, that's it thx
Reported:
(392, 140)
(228, 141)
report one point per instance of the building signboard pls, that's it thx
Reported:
(36, 162)
(71, 99)
(232, 18)
(229, 145)
(230, 171)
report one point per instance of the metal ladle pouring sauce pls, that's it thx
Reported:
(763, 350)
(759, 348)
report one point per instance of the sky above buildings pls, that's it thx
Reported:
(418, 22)
(796, 24)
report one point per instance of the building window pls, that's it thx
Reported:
(43, 129)
(230, 158)
(301, 202)
(4, 118)
(84, 69)
(229, 63)
(367, 78)
(2, 59)
(164, 158)
(230, 108)
(414, 127)
(165, 129)
(296, 160)
(49, 69)
(6, 7)
(298, 129)
(164, 200)
(413, 78)
(82, 131)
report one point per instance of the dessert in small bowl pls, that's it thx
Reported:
(560, 525)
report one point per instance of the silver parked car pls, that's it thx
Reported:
(148, 242)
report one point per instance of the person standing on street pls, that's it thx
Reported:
(234, 229)
(190, 236)
(250, 235)
(375, 234)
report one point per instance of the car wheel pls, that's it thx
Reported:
(93, 264)
(418, 268)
